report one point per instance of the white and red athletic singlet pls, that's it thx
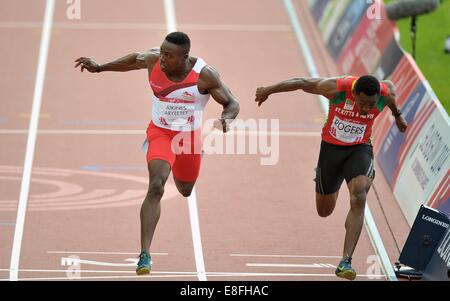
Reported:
(177, 106)
(344, 125)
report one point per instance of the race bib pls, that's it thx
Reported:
(176, 113)
(347, 132)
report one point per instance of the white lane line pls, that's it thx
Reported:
(31, 142)
(99, 271)
(102, 253)
(231, 274)
(142, 133)
(290, 265)
(327, 265)
(69, 261)
(7, 223)
(185, 273)
(74, 132)
(169, 9)
(378, 245)
(196, 236)
(286, 256)
(148, 26)
(303, 44)
(210, 274)
(105, 277)
(369, 222)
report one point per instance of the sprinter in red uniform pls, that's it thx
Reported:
(346, 149)
(181, 86)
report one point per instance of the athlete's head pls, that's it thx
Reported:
(175, 51)
(367, 91)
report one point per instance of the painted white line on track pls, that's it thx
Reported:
(291, 265)
(193, 273)
(243, 274)
(171, 21)
(285, 256)
(169, 9)
(98, 271)
(102, 253)
(106, 277)
(31, 141)
(70, 261)
(210, 274)
(196, 236)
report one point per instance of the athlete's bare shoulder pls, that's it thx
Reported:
(326, 86)
(209, 72)
(391, 95)
(209, 77)
(149, 57)
(390, 85)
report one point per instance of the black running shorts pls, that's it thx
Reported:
(337, 163)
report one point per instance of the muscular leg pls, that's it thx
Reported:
(186, 167)
(159, 171)
(358, 187)
(325, 203)
(329, 178)
(185, 188)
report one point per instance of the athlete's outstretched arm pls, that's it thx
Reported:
(132, 61)
(210, 81)
(321, 86)
(399, 120)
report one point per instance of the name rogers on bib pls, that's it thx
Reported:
(346, 131)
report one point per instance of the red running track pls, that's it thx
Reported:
(257, 222)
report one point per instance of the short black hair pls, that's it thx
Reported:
(179, 38)
(368, 84)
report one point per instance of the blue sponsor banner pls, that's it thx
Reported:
(445, 205)
(390, 58)
(389, 155)
(345, 26)
(318, 8)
